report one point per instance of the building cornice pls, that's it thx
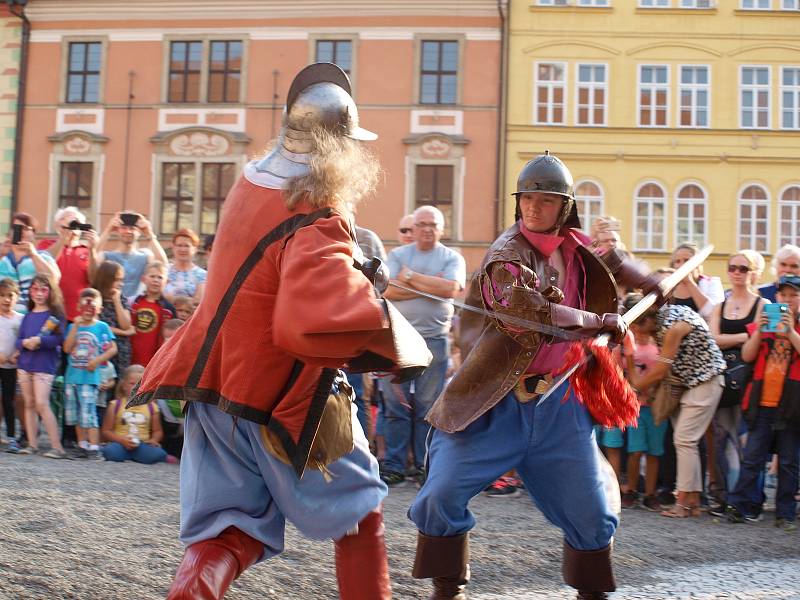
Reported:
(113, 10)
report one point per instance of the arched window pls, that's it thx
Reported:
(789, 223)
(589, 202)
(754, 218)
(690, 215)
(650, 217)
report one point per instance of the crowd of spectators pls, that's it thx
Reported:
(716, 369)
(81, 315)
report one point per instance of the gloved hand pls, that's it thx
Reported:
(376, 272)
(407, 374)
(615, 326)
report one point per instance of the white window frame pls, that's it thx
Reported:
(691, 203)
(552, 2)
(592, 86)
(795, 91)
(693, 88)
(550, 85)
(650, 201)
(753, 203)
(794, 220)
(601, 199)
(790, 5)
(666, 86)
(755, 2)
(595, 3)
(655, 4)
(755, 88)
(692, 4)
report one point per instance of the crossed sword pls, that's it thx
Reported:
(666, 285)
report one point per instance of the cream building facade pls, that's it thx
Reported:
(679, 117)
(10, 35)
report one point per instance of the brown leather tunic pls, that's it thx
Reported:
(494, 358)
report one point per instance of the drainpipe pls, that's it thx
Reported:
(275, 74)
(503, 8)
(21, 83)
(129, 111)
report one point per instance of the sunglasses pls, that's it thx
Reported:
(738, 269)
(406, 229)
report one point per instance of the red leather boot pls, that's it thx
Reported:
(209, 567)
(362, 570)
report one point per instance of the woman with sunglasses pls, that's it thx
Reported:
(728, 323)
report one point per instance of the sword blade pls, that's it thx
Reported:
(510, 320)
(637, 310)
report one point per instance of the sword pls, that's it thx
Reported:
(516, 321)
(667, 285)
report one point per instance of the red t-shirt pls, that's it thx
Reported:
(148, 317)
(74, 265)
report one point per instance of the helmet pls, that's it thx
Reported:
(546, 173)
(318, 97)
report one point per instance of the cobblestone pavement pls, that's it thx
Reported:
(96, 531)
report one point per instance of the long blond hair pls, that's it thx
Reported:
(342, 173)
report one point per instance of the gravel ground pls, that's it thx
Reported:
(95, 530)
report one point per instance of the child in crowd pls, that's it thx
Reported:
(89, 344)
(172, 410)
(10, 321)
(184, 307)
(40, 335)
(149, 312)
(646, 437)
(108, 280)
(771, 408)
(132, 433)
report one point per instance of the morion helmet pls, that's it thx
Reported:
(318, 97)
(546, 173)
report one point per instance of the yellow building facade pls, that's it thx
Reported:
(681, 118)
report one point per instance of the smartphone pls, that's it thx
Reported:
(16, 233)
(129, 219)
(78, 226)
(775, 314)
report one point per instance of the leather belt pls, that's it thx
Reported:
(530, 386)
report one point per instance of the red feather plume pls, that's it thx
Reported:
(600, 385)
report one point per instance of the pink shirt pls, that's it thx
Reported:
(551, 356)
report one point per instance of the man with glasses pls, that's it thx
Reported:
(429, 266)
(405, 230)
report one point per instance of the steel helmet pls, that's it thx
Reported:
(546, 173)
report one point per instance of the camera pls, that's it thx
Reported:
(76, 225)
(16, 233)
(129, 219)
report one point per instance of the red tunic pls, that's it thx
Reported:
(277, 316)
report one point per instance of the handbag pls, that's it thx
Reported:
(667, 399)
(737, 373)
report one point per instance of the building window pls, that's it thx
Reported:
(693, 93)
(790, 5)
(756, 4)
(338, 52)
(434, 186)
(83, 72)
(650, 202)
(550, 91)
(594, 2)
(224, 71)
(654, 3)
(218, 179)
(755, 97)
(690, 215)
(552, 2)
(592, 93)
(697, 3)
(439, 72)
(75, 187)
(754, 218)
(589, 202)
(185, 62)
(653, 95)
(790, 97)
(789, 224)
(180, 195)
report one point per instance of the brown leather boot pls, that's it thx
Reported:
(588, 571)
(209, 567)
(362, 570)
(445, 560)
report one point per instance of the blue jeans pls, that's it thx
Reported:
(143, 453)
(760, 440)
(404, 416)
(553, 449)
(356, 381)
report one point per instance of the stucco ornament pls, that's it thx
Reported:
(199, 144)
(77, 145)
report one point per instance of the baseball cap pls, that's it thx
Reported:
(791, 280)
